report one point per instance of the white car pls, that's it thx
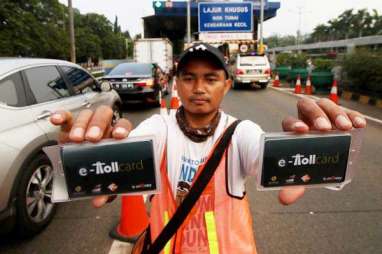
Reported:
(30, 90)
(251, 70)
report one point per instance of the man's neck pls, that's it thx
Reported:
(199, 120)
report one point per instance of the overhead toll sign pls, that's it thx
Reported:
(225, 17)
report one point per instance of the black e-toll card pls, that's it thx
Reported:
(298, 160)
(109, 168)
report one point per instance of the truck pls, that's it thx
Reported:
(155, 50)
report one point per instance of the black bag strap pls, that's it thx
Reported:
(192, 197)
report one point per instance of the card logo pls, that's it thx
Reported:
(312, 159)
(101, 168)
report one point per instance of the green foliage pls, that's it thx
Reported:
(350, 24)
(322, 64)
(32, 28)
(292, 60)
(284, 59)
(298, 60)
(364, 71)
(39, 28)
(280, 41)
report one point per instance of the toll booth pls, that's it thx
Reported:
(170, 20)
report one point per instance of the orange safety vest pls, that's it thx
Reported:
(217, 224)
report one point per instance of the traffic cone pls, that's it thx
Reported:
(297, 88)
(133, 220)
(163, 107)
(276, 81)
(174, 102)
(308, 87)
(174, 105)
(174, 92)
(333, 92)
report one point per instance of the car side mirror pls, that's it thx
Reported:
(105, 86)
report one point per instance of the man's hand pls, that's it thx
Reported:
(323, 115)
(93, 127)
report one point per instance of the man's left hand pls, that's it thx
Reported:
(323, 115)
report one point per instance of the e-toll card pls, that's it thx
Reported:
(109, 168)
(297, 160)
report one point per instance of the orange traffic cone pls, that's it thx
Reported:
(174, 92)
(333, 92)
(174, 105)
(297, 89)
(175, 102)
(163, 107)
(133, 221)
(276, 82)
(308, 87)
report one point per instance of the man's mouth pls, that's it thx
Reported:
(199, 101)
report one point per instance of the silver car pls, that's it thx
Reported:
(30, 90)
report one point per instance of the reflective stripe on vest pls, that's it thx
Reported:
(168, 244)
(212, 236)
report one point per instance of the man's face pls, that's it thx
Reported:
(202, 86)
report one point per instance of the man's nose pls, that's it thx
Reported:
(199, 86)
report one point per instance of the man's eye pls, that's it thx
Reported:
(211, 80)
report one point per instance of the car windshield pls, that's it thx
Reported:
(132, 69)
(253, 61)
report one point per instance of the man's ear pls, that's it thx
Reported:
(227, 85)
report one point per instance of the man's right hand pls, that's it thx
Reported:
(92, 127)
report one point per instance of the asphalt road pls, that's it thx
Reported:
(323, 221)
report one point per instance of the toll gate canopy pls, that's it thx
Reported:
(170, 19)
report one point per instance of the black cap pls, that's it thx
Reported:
(203, 50)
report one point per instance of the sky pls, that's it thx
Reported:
(313, 13)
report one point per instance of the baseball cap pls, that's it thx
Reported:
(202, 50)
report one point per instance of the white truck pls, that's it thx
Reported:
(154, 50)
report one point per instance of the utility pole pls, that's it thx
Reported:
(71, 33)
(300, 10)
(188, 21)
(299, 28)
(261, 46)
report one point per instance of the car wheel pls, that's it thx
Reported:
(235, 85)
(117, 113)
(34, 205)
(263, 85)
(158, 98)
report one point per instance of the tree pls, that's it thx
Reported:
(280, 41)
(350, 24)
(117, 28)
(32, 28)
(38, 28)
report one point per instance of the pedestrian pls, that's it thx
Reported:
(220, 221)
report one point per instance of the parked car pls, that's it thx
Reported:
(139, 82)
(251, 70)
(30, 90)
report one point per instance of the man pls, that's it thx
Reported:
(220, 221)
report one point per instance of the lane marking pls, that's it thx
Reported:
(290, 92)
(119, 247)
